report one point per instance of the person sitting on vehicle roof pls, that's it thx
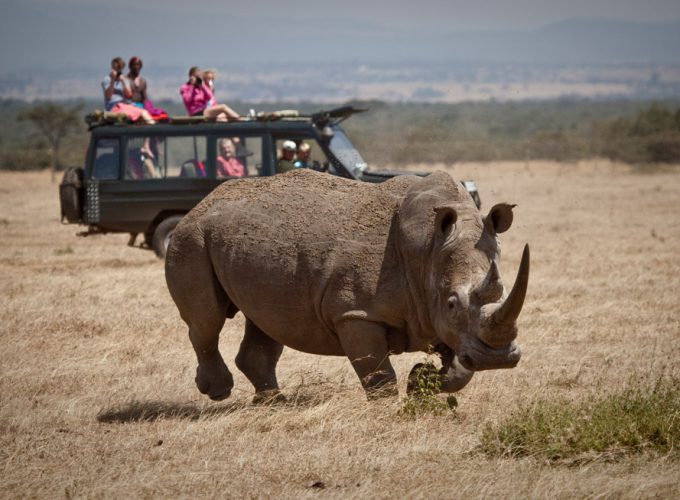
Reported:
(138, 87)
(228, 165)
(285, 163)
(136, 81)
(199, 98)
(304, 150)
(117, 93)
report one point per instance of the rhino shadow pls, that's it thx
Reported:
(147, 411)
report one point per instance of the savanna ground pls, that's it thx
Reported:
(96, 381)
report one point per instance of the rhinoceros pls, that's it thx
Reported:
(337, 267)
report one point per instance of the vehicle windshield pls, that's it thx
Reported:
(343, 149)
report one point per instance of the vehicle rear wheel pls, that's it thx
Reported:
(162, 234)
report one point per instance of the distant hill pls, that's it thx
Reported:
(67, 35)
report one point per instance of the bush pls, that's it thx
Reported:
(664, 147)
(651, 136)
(635, 420)
(24, 159)
(424, 387)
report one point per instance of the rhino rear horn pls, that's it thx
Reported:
(509, 311)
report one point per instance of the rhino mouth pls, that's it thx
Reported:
(479, 356)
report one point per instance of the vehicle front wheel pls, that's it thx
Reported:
(162, 234)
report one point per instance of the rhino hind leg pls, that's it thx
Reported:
(213, 378)
(366, 346)
(257, 359)
(204, 306)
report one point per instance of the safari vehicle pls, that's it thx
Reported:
(141, 179)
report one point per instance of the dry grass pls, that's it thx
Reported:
(96, 381)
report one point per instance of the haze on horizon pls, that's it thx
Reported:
(52, 34)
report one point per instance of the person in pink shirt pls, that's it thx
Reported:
(199, 99)
(227, 163)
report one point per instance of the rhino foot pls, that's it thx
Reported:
(214, 380)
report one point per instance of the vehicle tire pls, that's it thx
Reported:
(70, 195)
(162, 234)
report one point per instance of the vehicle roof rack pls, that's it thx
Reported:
(99, 118)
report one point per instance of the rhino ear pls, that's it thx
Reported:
(445, 219)
(499, 218)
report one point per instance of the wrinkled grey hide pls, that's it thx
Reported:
(336, 267)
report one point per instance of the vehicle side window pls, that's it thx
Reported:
(306, 153)
(166, 157)
(106, 159)
(144, 158)
(185, 156)
(238, 156)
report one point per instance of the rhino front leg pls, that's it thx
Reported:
(365, 344)
(257, 359)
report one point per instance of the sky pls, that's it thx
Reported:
(418, 15)
(68, 33)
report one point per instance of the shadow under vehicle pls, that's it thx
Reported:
(142, 179)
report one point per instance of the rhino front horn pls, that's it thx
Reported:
(508, 312)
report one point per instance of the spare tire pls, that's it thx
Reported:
(161, 236)
(70, 195)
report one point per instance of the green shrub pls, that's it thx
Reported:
(424, 388)
(638, 419)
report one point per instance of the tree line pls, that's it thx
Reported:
(53, 135)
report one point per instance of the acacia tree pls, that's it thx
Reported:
(54, 122)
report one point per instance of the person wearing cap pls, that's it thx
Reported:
(285, 163)
(303, 152)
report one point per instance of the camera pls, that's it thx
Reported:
(199, 80)
(118, 73)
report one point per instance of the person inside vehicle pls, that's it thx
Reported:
(304, 150)
(117, 95)
(228, 165)
(199, 98)
(285, 162)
